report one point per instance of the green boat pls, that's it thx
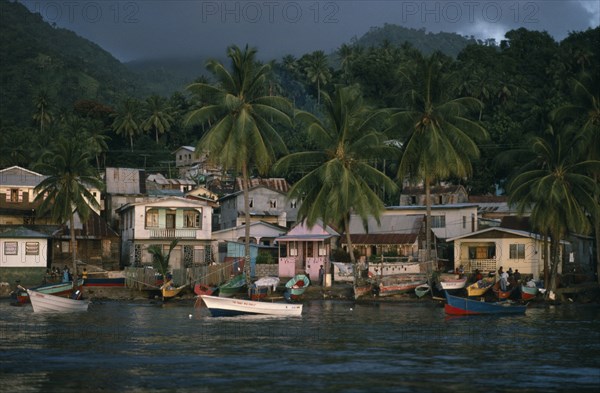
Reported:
(297, 285)
(233, 286)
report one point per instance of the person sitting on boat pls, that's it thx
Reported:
(478, 275)
(517, 276)
(84, 274)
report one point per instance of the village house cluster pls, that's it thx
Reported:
(205, 210)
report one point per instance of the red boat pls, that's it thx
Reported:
(502, 295)
(528, 293)
(203, 289)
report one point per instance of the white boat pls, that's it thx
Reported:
(448, 283)
(42, 302)
(224, 306)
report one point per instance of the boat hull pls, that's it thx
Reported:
(43, 302)
(399, 288)
(297, 285)
(219, 306)
(233, 286)
(452, 284)
(62, 289)
(422, 290)
(480, 287)
(461, 306)
(201, 289)
(528, 293)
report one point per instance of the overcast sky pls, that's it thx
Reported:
(143, 29)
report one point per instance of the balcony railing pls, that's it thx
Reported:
(171, 233)
(484, 265)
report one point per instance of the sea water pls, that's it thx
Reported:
(335, 346)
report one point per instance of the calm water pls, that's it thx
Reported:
(333, 347)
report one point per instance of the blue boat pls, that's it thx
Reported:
(460, 306)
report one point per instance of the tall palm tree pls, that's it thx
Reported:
(126, 120)
(438, 137)
(583, 112)
(341, 177)
(317, 71)
(158, 115)
(243, 136)
(65, 190)
(42, 116)
(97, 139)
(556, 185)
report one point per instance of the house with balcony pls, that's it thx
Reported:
(159, 222)
(490, 248)
(268, 203)
(304, 249)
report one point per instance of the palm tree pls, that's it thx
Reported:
(42, 114)
(556, 185)
(158, 115)
(341, 177)
(317, 71)
(126, 120)
(243, 136)
(438, 138)
(65, 190)
(97, 139)
(583, 112)
(160, 261)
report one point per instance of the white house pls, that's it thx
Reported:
(23, 255)
(160, 221)
(261, 233)
(491, 248)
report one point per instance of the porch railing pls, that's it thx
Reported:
(171, 233)
(484, 265)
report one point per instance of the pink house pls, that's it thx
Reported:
(303, 250)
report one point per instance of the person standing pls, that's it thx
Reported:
(321, 275)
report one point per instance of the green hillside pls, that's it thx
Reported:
(37, 57)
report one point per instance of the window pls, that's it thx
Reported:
(273, 203)
(251, 203)
(191, 219)
(32, 248)
(517, 251)
(293, 204)
(11, 248)
(413, 200)
(438, 221)
(14, 195)
(482, 252)
(152, 218)
(464, 222)
(322, 250)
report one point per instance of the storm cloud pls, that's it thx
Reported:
(151, 29)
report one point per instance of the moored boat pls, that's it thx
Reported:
(462, 306)
(297, 285)
(528, 293)
(233, 286)
(422, 290)
(263, 287)
(257, 293)
(203, 289)
(43, 302)
(479, 288)
(401, 283)
(63, 289)
(502, 295)
(219, 306)
(169, 291)
(449, 282)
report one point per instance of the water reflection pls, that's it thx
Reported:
(335, 346)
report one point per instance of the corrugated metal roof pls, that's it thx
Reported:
(21, 232)
(382, 238)
(17, 176)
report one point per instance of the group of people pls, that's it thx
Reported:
(508, 278)
(54, 274)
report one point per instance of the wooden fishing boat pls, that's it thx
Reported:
(63, 289)
(168, 291)
(363, 289)
(479, 288)
(502, 295)
(297, 285)
(401, 283)
(233, 286)
(257, 293)
(528, 293)
(422, 290)
(105, 282)
(43, 302)
(462, 306)
(221, 307)
(446, 283)
(203, 289)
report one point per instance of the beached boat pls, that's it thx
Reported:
(233, 286)
(400, 283)
(169, 291)
(221, 307)
(422, 290)
(528, 293)
(502, 295)
(263, 287)
(63, 289)
(297, 285)
(364, 289)
(480, 287)
(203, 289)
(462, 306)
(43, 302)
(450, 282)
(105, 282)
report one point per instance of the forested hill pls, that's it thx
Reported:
(448, 43)
(38, 58)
